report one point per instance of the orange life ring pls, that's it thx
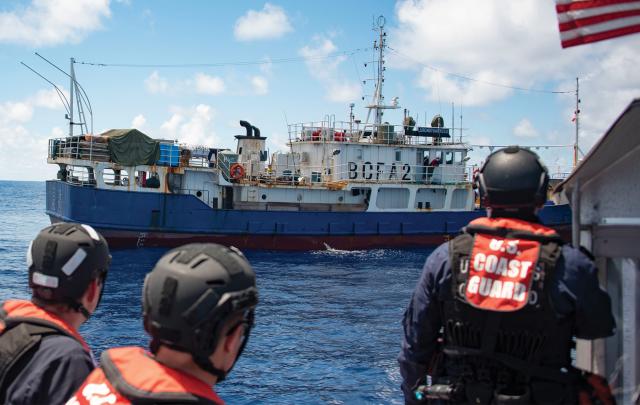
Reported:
(236, 171)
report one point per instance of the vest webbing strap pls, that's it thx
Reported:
(526, 368)
(512, 233)
(16, 342)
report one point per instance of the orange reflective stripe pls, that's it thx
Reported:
(516, 224)
(27, 309)
(97, 389)
(141, 371)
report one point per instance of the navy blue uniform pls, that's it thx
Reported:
(52, 375)
(576, 293)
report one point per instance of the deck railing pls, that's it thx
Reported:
(390, 134)
(79, 147)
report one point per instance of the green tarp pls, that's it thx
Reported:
(130, 147)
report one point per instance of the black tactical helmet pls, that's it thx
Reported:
(190, 295)
(513, 178)
(63, 259)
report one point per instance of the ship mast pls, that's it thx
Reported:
(576, 147)
(72, 77)
(377, 101)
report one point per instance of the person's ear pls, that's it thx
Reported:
(92, 293)
(232, 339)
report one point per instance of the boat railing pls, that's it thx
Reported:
(96, 149)
(391, 134)
(85, 147)
(560, 172)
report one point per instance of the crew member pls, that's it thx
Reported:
(435, 162)
(43, 358)
(198, 305)
(494, 312)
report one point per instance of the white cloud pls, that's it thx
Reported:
(22, 111)
(612, 82)
(525, 129)
(156, 84)
(513, 44)
(24, 153)
(318, 60)
(439, 88)
(497, 41)
(343, 92)
(260, 85)
(15, 112)
(325, 68)
(138, 121)
(206, 84)
(271, 22)
(49, 99)
(52, 22)
(277, 142)
(193, 126)
(171, 126)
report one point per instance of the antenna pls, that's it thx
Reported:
(81, 96)
(63, 98)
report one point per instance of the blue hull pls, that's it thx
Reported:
(130, 219)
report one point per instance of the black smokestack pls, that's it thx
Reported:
(256, 131)
(248, 127)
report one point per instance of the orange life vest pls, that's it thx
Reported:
(18, 311)
(129, 375)
(502, 263)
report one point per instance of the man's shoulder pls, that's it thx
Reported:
(441, 252)
(60, 346)
(577, 259)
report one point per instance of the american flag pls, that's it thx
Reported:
(585, 21)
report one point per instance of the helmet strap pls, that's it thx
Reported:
(80, 308)
(204, 363)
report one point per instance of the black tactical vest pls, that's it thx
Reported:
(18, 343)
(506, 357)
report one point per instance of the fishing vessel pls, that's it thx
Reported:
(341, 184)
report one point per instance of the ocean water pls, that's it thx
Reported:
(328, 326)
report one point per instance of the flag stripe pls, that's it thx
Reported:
(568, 5)
(600, 28)
(601, 36)
(583, 22)
(591, 12)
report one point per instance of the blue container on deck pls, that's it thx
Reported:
(169, 155)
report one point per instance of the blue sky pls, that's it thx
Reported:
(514, 43)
